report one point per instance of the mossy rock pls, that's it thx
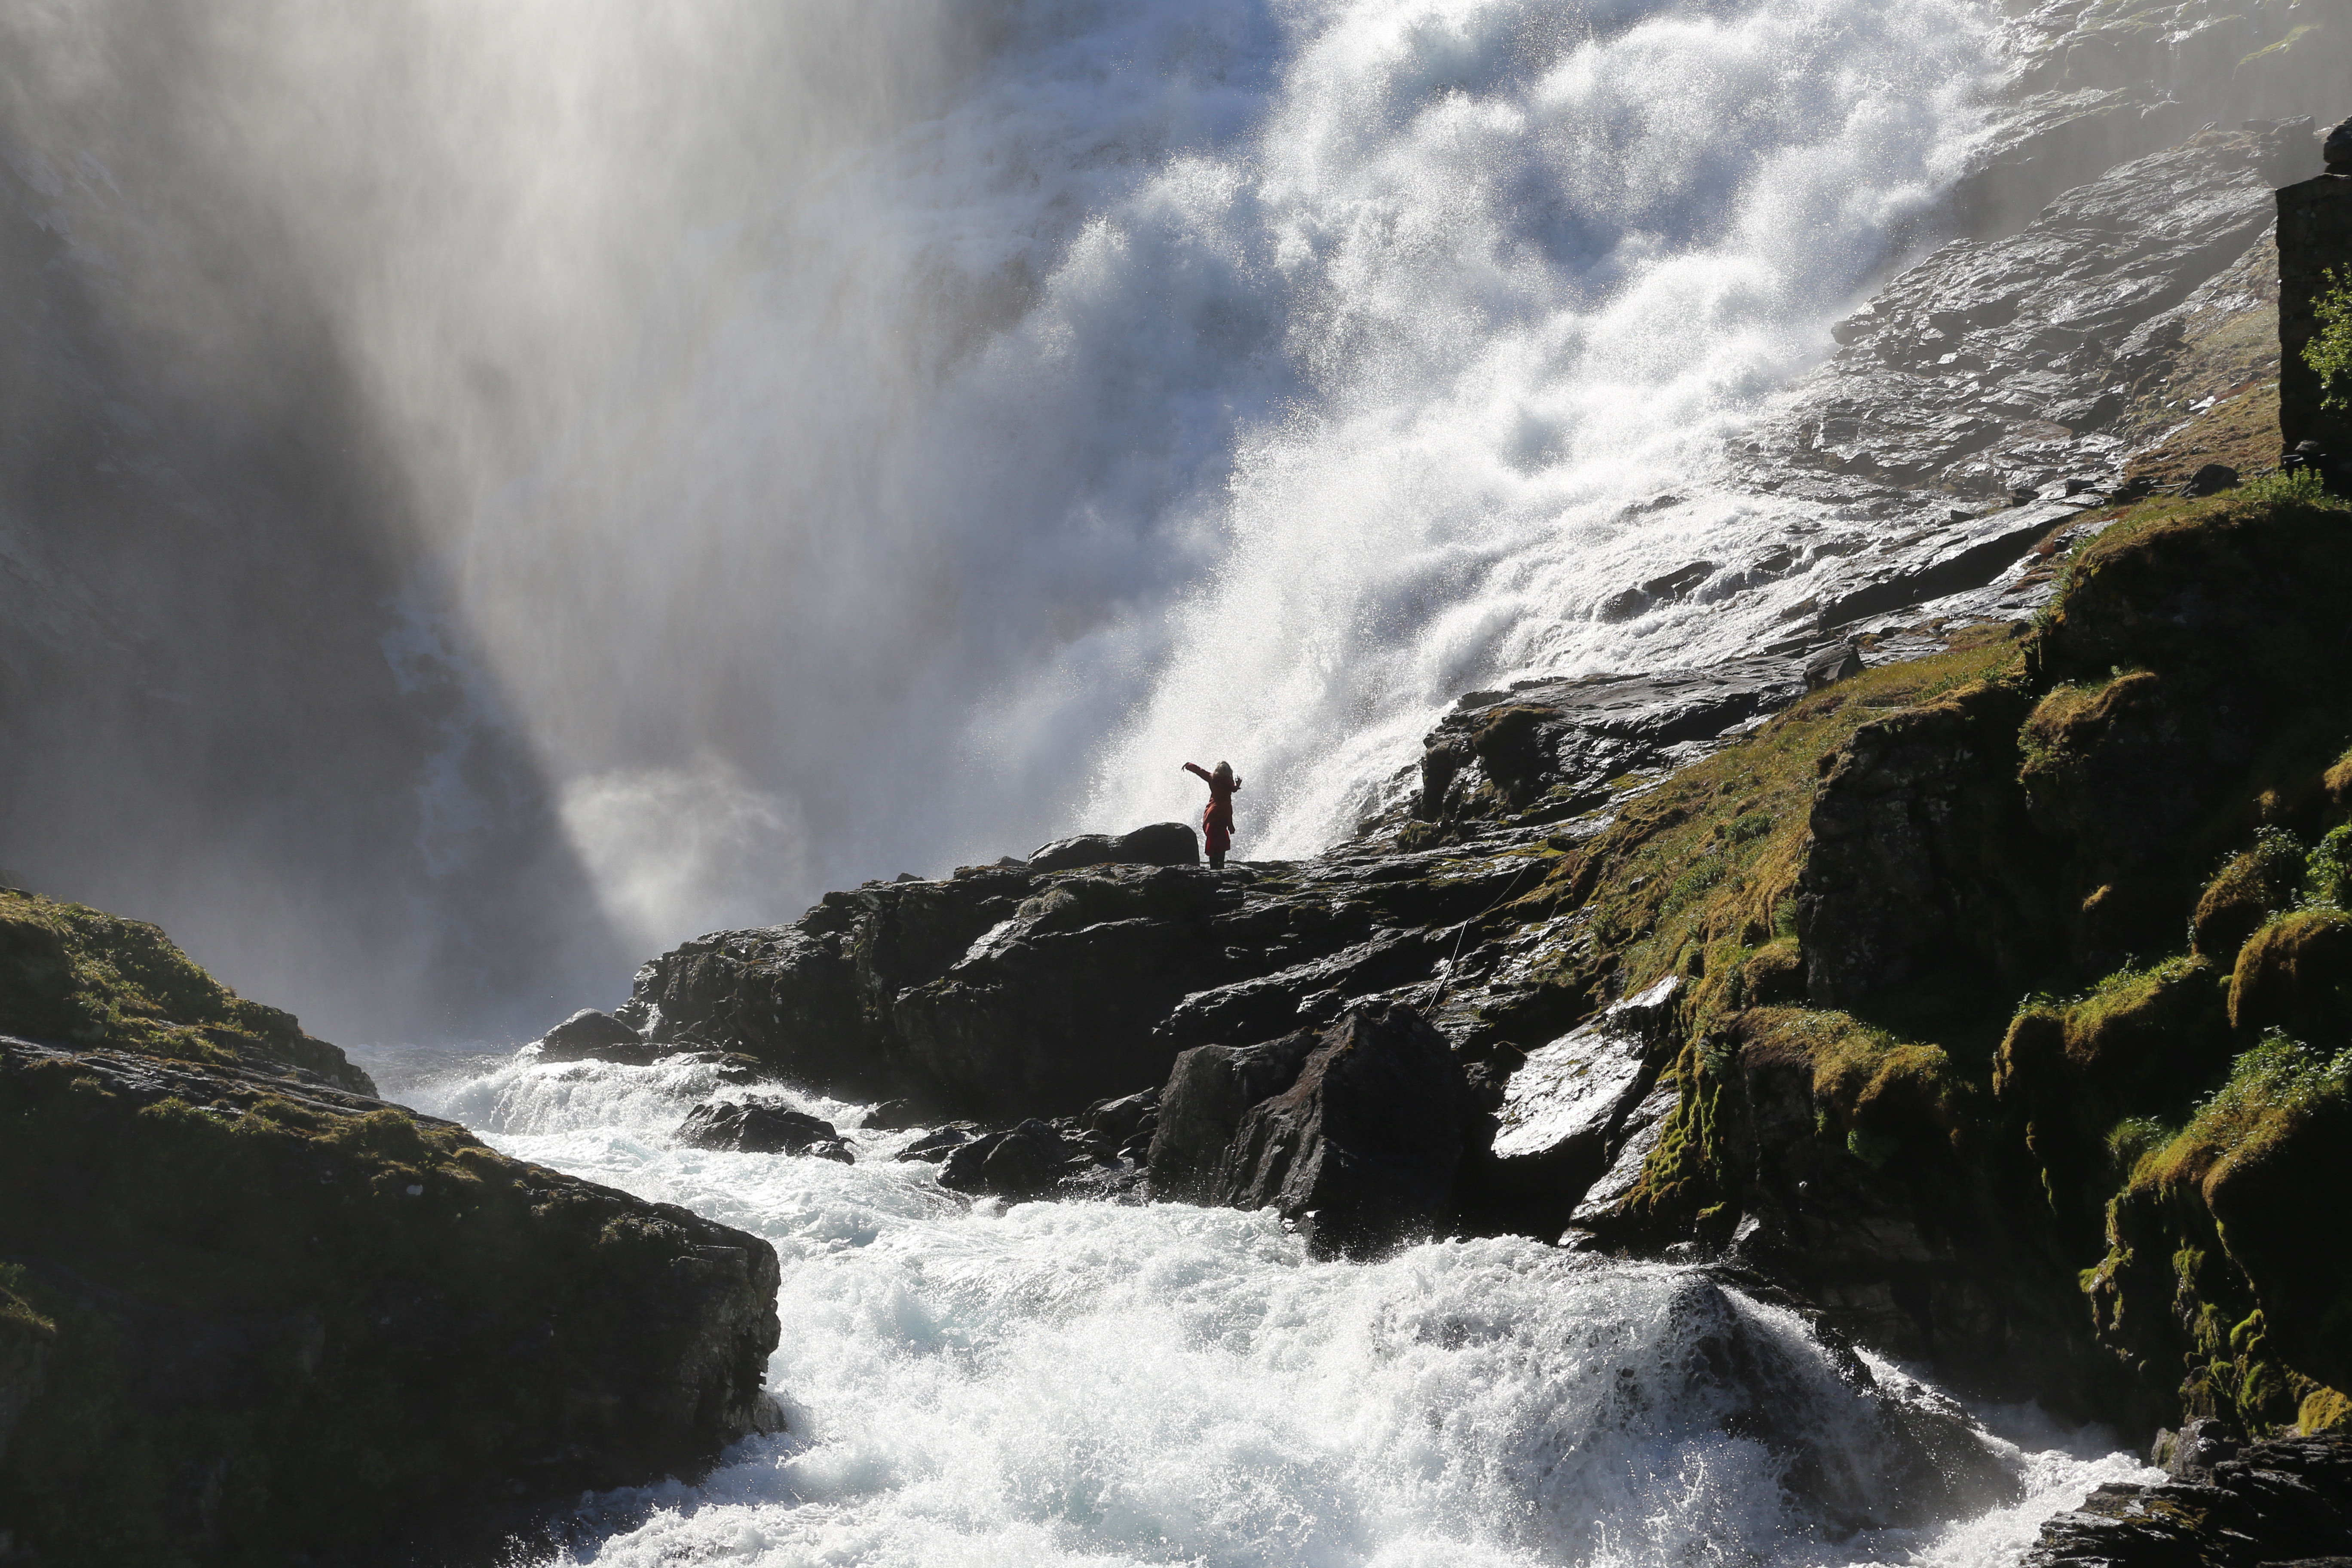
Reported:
(2144, 1038)
(2278, 1199)
(2337, 785)
(293, 1328)
(2295, 975)
(2246, 892)
(79, 977)
(2324, 1410)
(2222, 1252)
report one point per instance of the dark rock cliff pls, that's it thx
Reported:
(250, 1313)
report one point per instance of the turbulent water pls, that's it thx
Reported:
(802, 442)
(1087, 1383)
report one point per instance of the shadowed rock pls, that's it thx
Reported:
(1363, 1150)
(590, 1036)
(1022, 1162)
(1160, 844)
(762, 1127)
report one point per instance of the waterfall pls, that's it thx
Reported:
(799, 443)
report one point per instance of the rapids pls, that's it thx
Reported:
(1087, 1383)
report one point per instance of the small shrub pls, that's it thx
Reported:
(2327, 871)
(2271, 1083)
(2302, 486)
(2330, 352)
(2133, 1139)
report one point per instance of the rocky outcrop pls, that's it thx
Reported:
(2285, 1500)
(77, 974)
(1364, 1149)
(1162, 844)
(286, 1318)
(762, 1127)
(590, 1036)
(1548, 750)
(1000, 992)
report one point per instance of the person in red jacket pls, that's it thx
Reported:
(1217, 820)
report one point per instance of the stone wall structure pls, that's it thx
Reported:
(2315, 235)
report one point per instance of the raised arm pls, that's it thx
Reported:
(1237, 782)
(1196, 768)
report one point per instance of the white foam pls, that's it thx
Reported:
(1085, 1384)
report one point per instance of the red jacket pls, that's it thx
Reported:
(1217, 816)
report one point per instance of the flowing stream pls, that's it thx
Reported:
(1090, 1384)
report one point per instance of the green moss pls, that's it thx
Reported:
(2271, 1086)
(390, 1311)
(2134, 1138)
(2324, 1410)
(2296, 974)
(1701, 871)
(2248, 890)
(79, 976)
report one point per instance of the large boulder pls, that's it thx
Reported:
(762, 1127)
(291, 1323)
(1362, 1152)
(1022, 1162)
(590, 1036)
(1208, 1090)
(1160, 844)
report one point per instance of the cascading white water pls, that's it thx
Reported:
(1084, 1384)
(842, 439)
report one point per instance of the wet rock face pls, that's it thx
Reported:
(1546, 750)
(292, 1321)
(1362, 1152)
(1162, 844)
(762, 1127)
(1565, 1109)
(1356, 1134)
(1210, 1089)
(590, 1036)
(2285, 1500)
(1995, 367)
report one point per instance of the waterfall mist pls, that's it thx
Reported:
(503, 489)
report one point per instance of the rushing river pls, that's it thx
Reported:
(1091, 1384)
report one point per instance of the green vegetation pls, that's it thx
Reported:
(1698, 876)
(79, 977)
(2163, 752)
(2329, 353)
